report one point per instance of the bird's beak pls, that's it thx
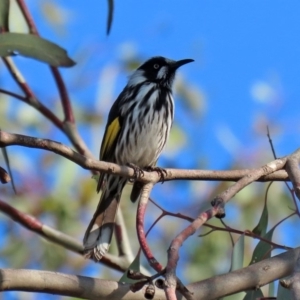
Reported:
(181, 62)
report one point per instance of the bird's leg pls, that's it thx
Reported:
(162, 172)
(138, 172)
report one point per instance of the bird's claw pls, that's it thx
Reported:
(138, 172)
(162, 172)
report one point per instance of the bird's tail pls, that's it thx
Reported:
(136, 191)
(99, 233)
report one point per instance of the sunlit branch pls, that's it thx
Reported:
(251, 277)
(10, 139)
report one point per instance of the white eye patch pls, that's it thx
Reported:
(162, 72)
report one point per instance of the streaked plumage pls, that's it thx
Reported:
(137, 129)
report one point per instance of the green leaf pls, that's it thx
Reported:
(237, 258)
(261, 227)
(110, 15)
(263, 249)
(253, 295)
(35, 47)
(4, 9)
(135, 266)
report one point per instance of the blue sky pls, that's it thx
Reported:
(246, 61)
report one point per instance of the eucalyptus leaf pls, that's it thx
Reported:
(135, 266)
(35, 47)
(237, 257)
(263, 249)
(261, 227)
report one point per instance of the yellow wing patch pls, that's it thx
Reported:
(110, 136)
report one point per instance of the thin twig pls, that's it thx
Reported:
(252, 176)
(29, 98)
(64, 96)
(271, 143)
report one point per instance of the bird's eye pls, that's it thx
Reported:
(156, 66)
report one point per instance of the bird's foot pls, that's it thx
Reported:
(162, 172)
(138, 172)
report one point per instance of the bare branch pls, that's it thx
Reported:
(30, 98)
(140, 217)
(64, 96)
(173, 257)
(252, 176)
(251, 277)
(9, 139)
(292, 168)
(68, 285)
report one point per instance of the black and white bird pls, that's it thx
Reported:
(136, 132)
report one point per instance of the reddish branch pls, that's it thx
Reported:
(218, 228)
(216, 210)
(140, 228)
(64, 96)
(252, 176)
(171, 281)
(33, 224)
(68, 126)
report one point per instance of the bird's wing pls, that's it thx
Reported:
(111, 135)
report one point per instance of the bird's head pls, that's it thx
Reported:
(158, 70)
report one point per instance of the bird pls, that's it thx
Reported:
(136, 132)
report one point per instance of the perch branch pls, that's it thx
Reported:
(9, 139)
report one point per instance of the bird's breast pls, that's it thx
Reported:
(146, 130)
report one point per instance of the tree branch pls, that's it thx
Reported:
(140, 228)
(10, 139)
(292, 168)
(33, 224)
(252, 176)
(251, 277)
